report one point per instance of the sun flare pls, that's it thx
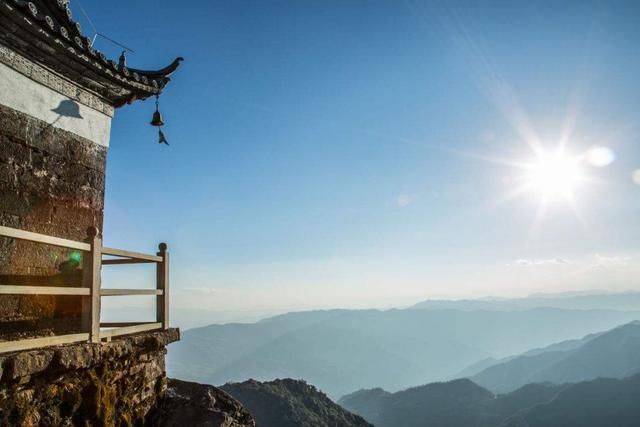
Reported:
(553, 175)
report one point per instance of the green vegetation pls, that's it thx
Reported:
(602, 402)
(291, 403)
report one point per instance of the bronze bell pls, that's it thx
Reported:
(157, 119)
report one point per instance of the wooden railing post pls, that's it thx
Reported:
(162, 283)
(92, 264)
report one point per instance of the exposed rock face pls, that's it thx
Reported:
(192, 404)
(291, 403)
(115, 383)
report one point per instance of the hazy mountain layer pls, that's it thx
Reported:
(454, 403)
(562, 346)
(569, 301)
(597, 403)
(613, 354)
(344, 350)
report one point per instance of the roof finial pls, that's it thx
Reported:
(122, 62)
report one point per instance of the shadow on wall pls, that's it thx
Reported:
(67, 108)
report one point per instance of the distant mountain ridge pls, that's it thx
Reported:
(597, 403)
(611, 354)
(454, 403)
(344, 350)
(483, 364)
(569, 301)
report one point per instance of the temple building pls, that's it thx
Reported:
(59, 363)
(57, 99)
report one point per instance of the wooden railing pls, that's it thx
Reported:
(91, 290)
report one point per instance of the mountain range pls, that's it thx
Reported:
(629, 301)
(612, 354)
(344, 350)
(572, 392)
(600, 402)
(591, 381)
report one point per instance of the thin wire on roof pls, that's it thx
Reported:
(96, 33)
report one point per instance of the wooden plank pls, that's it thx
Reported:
(87, 301)
(130, 254)
(95, 282)
(162, 283)
(28, 344)
(42, 290)
(126, 330)
(43, 238)
(125, 261)
(121, 324)
(122, 292)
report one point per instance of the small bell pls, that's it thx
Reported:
(157, 117)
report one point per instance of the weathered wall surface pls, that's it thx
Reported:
(51, 181)
(20, 92)
(111, 384)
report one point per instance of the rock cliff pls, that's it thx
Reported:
(291, 403)
(117, 383)
(186, 403)
(114, 383)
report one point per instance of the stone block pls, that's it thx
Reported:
(118, 383)
(28, 363)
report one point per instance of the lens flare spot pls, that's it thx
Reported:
(600, 156)
(75, 256)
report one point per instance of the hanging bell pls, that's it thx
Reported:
(157, 119)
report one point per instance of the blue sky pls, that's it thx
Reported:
(334, 153)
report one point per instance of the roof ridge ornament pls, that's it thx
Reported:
(122, 61)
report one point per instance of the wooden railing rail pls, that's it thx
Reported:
(132, 255)
(42, 290)
(92, 291)
(43, 238)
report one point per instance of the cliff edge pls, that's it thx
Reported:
(117, 383)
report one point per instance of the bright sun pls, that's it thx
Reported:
(553, 175)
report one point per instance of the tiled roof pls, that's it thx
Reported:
(45, 31)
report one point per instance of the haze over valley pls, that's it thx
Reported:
(341, 351)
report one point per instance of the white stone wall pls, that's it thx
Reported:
(23, 94)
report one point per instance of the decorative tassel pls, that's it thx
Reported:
(161, 138)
